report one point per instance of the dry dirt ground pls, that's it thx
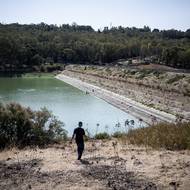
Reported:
(110, 164)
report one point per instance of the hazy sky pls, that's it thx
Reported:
(162, 14)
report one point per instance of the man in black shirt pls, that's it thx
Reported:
(78, 134)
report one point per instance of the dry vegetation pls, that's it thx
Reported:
(164, 135)
(106, 164)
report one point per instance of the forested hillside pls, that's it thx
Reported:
(31, 47)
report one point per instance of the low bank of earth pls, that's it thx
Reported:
(161, 90)
(108, 164)
(140, 111)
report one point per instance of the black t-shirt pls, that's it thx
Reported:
(79, 132)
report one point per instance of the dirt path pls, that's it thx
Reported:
(106, 165)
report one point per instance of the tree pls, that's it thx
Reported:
(37, 59)
(24, 46)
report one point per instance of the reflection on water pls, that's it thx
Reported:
(68, 103)
(26, 90)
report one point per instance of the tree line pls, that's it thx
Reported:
(31, 47)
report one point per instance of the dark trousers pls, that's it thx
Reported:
(80, 149)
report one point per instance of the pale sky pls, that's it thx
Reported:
(162, 14)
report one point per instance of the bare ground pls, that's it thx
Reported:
(110, 164)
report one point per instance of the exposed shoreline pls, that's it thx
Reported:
(136, 109)
(103, 168)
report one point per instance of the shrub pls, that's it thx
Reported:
(20, 126)
(164, 135)
(157, 73)
(175, 79)
(102, 136)
(118, 134)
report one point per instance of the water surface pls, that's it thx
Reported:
(69, 104)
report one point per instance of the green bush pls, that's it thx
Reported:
(20, 126)
(102, 136)
(164, 135)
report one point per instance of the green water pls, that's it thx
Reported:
(68, 103)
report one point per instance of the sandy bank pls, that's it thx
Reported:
(136, 109)
(104, 167)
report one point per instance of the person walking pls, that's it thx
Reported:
(78, 134)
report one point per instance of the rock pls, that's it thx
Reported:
(8, 159)
(151, 186)
(34, 164)
(29, 186)
(133, 157)
(42, 181)
(18, 167)
(9, 167)
(187, 164)
(137, 162)
(45, 175)
(174, 183)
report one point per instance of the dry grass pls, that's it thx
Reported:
(163, 135)
(102, 136)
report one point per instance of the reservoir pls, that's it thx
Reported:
(69, 104)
